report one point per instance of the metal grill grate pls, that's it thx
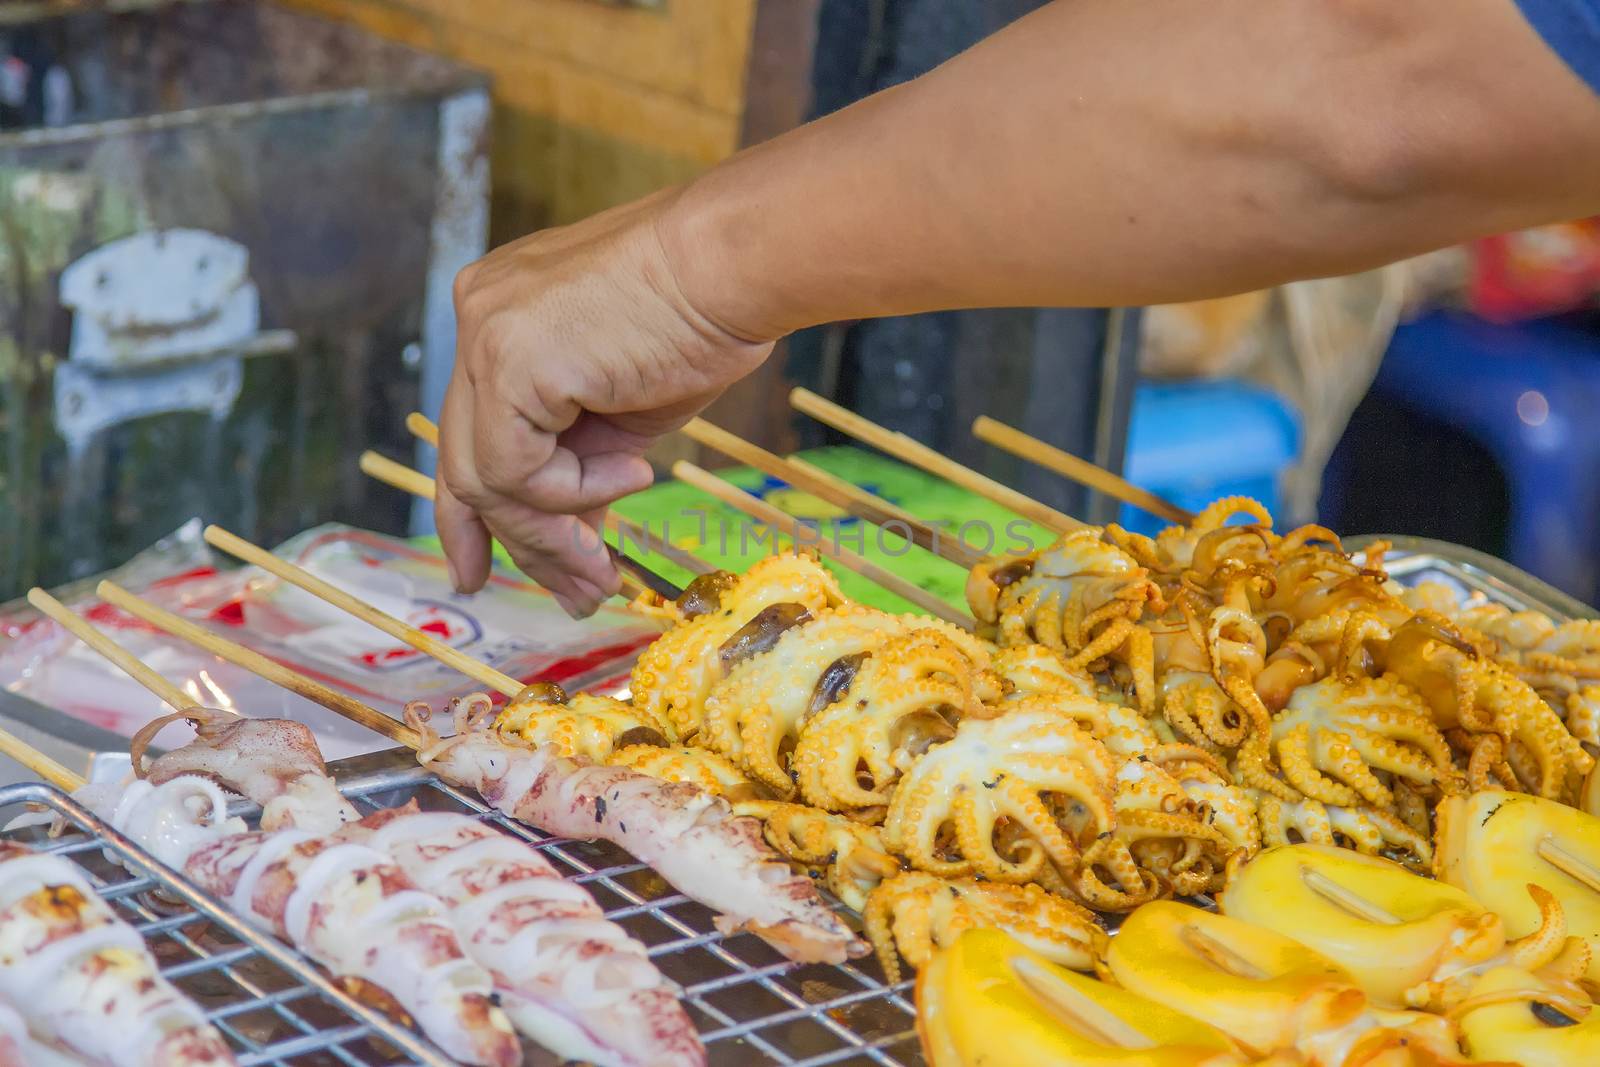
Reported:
(275, 1008)
(749, 1003)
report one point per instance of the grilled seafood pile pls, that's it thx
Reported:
(1321, 956)
(1135, 719)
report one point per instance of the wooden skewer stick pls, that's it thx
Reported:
(1080, 1013)
(46, 768)
(1219, 954)
(257, 664)
(825, 487)
(920, 455)
(760, 510)
(410, 480)
(425, 643)
(129, 664)
(423, 428)
(404, 478)
(1574, 867)
(1346, 898)
(1079, 470)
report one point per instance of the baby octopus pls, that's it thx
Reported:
(917, 912)
(1339, 738)
(1010, 799)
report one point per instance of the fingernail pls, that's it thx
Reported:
(566, 605)
(455, 582)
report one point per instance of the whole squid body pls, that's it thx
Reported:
(346, 905)
(564, 974)
(689, 836)
(84, 980)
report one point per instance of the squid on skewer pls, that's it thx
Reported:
(565, 975)
(689, 836)
(347, 907)
(84, 979)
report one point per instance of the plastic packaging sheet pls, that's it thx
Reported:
(512, 625)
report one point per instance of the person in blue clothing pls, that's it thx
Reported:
(1093, 153)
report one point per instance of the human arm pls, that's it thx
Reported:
(1097, 152)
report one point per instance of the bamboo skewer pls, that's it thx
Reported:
(760, 510)
(1079, 470)
(389, 472)
(423, 428)
(830, 489)
(917, 454)
(1572, 866)
(1076, 1010)
(410, 635)
(624, 529)
(48, 770)
(129, 664)
(1348, 899)
(256, 663)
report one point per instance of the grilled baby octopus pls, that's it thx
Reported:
(1082, 597)
(755, 715)
(1010, 799)
(675, 674)
(1339, 739)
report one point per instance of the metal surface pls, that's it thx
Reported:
(274, 1007)
(1413, 560)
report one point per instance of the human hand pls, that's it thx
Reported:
(576, 348)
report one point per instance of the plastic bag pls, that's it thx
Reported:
(512, 625)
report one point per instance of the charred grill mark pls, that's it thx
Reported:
(1551, 1016)
(761, 633)
(599, 809)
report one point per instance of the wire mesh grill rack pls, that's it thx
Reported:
(749, 1003)
(274, 1007)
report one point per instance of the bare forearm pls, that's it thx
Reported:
(1117, 152)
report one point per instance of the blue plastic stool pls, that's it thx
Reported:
(1193, 442)
(1530, 395)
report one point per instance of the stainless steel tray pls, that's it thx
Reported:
(750, 1005)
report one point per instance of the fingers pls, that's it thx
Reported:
(465, 540)
(462, 534)
(561, 553)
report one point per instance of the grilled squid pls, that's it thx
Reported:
(273, 758)
(352, 909)
(345, 905)
(689, 836)
(83, 977)
(567, 976)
